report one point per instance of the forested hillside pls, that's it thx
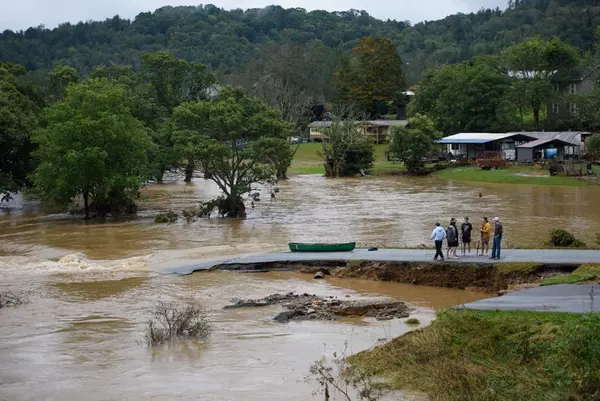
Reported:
(224, 40)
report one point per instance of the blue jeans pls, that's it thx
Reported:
(497, 247)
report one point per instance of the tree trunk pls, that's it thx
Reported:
(160, 174)
(189, 172)
(207, 175)
(282, 174)
(536, 117)
(86, 203)
(236, 207)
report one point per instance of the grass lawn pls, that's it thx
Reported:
(307, 161)
(582, 274)
(509, 175)
(476, 355)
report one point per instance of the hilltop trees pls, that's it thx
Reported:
(92, 147)
(372, 75)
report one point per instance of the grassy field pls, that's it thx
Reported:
(472, 355)
(307, 161)
(510, 175)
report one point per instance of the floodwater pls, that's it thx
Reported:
(90, 285)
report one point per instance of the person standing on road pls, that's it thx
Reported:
(452, 237)
(498, 231)
(438, 235)
(486, 232)
(466, 228)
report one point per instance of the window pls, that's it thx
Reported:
(556, 88)
(555, 108)
(572, 89)
(573, 108)
(455, 146)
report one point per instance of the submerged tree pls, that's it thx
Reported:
(347, 151)
(411, 145)
(238, 139)
(92, 147)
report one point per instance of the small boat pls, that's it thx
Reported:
(303, 247)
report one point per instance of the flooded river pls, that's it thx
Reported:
(90, 285)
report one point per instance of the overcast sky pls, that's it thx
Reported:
(21, 14)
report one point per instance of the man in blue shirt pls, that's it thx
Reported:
(438, 235)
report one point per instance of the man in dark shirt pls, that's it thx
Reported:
(465, 230)
(497, 245)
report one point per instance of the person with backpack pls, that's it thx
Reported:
(452, 237)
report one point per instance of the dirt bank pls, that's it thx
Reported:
(313, 307)
(484, 277)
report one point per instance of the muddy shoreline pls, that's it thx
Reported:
(476, 276)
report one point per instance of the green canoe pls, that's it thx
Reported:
(302, 247)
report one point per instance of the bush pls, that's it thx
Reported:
(564, 239)
(8, 299)
(163, 218)
(412, 321)
(174, 320)
(598, 238)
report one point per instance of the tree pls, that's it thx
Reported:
(92, 147)
(592, 146)
(173, 81)
(372, 76)
(18, 119)
(59, 79)
(534, 64)
(237, 139)
(411, 145)
(347, 150)
(466, 97)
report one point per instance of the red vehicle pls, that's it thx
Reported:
(490, 160)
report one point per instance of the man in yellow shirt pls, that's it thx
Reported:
(486, 232)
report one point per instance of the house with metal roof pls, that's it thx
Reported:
(574, 148)
(379, 130)
(471, 145)
(543, 148)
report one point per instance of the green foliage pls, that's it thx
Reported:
(412, 321)
(168, 217)
(93, 147)
(512, 356)
(564, 239)
(592, 146)
(346, 150)
(535, 63)
(372, 76)
(18, 119)
(59, 80)
(466, 97)
(412, 145)
(584, 273)
(226, 40)
(237, 139)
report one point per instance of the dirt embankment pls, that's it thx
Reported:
(484, 277)
(313, 307)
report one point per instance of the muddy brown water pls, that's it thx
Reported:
(90, 285)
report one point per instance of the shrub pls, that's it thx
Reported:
(174, 320)
(598, 238)
(8, 299)
(564, 239)
(412, 321)
(163, 218)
